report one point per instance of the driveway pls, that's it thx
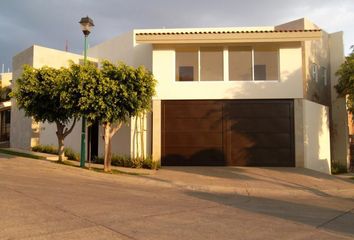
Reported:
(43, 200)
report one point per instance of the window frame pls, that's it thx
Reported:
(252, 47)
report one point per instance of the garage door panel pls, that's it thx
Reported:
(194, 156)
(228, 132)
(255, 125)
(262, 157)
(256, 110)
(193, 125)
(213, 111)
(256, 140)
(202, 139)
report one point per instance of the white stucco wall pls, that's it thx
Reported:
(48, 137)
(21, 132)
(317, 153)
(339, 124)
(123, 48)
(288, 86)
(25, 133)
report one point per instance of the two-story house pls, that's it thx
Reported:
(259, 96)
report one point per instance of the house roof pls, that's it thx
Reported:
(165, 36)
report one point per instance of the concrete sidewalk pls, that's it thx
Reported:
(41, 200)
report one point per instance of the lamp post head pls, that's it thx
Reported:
(86, 25)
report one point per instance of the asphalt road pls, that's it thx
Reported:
(43, 200)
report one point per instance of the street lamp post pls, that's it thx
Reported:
(86, 26)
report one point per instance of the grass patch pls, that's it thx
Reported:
(20, 154)
(126, 161)
(115, 171)
(67, 163)
(100, 170)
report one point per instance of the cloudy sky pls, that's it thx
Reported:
(51, 23)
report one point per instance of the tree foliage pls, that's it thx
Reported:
(345, 86)
(113, 96)
(4, 94)
(49, 94)
(110, 95)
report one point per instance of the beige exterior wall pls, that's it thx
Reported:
(317, 153)
(156, 130)
(317, 52)
(299, 133)
(314, 52)
(339, 115)
(288, 86)
(5, 79)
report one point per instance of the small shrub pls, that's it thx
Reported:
(70, 153)
(45, 149)
(338, 168)
(126, 161)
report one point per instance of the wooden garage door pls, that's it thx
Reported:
(228, 132)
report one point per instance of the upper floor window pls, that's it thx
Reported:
(253, 63)
(244, 63)
(211, 64)
(187, 64)
(240, 63)
(266, 64)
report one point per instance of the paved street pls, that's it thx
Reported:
(44, 200)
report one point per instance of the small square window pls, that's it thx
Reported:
(187, 64)
(260, 72)
(186, 73)
(266, 63)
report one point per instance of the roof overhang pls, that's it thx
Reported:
(227, 36)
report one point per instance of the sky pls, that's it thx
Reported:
(52, 23)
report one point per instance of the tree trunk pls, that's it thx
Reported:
(62, 132)
(60, 136)
(61, 148)
(142, 132)
(107, 147)
(109, 131)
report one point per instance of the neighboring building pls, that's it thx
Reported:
(260, 96)
(5, 109)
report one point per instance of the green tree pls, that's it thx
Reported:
(49, 94)
(113, 96)
(4, 94)
(345, 86)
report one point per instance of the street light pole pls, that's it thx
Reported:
(86, 25)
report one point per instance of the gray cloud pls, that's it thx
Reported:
(51, 22)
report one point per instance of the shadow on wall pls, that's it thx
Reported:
(316, 137)
(316, 90)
